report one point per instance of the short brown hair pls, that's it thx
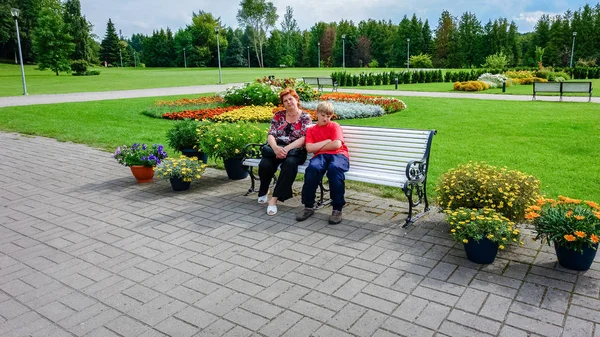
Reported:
(289, 91)
(325, 107)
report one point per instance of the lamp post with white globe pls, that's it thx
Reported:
(15, 14)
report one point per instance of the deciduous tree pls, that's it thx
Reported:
(260, 16)
(51, 42)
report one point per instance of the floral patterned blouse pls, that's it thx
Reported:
(286, 133)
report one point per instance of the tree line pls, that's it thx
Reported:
(51, 31)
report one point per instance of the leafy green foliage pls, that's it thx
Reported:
(79, 67)
(421, 61)
(496, 61)
(183, 135)
(227, 140)
(51, 42)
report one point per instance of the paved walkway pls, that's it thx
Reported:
(202, 89)
(85, 251)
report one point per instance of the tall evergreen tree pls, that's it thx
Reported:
(445, 35)
(468, 41)
(79, 28)
(110, 45)
(235, 56)
(51, 42)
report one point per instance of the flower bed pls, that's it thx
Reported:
(191, 101)
(349, 110)
(389, 105)
(200, 113)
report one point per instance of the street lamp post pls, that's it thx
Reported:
(15, 14)
(319, 55)
(134, 59)
(343, 51)
(572, 49)
(408, 53)
(184, 59)
(121, 58)
(248, 56)
(218, 54)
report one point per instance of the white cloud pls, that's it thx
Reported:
(532, 18)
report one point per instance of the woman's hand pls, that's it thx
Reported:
(280, 152)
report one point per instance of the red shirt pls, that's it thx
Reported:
(331, 131)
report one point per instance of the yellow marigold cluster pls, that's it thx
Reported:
(471, 86)
(248, 113)
(479, 185)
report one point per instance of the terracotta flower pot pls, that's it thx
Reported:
(143, 174)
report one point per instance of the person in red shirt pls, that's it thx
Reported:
(326, 141)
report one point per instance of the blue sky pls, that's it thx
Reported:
(144, 16)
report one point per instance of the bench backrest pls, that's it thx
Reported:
(546, 87)
(576, 86)
(385, 149)
(311, 80)
(325, 80)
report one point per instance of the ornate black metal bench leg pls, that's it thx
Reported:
(322, 203)
(421, 191)
(252, 188)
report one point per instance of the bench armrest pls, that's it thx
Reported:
(416, 171)
(253, 150)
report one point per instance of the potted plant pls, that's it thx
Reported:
(141, 159)
(479, 185)
(482, 232)
(227, 140)
(184, 137)
(180, 171)
(572, 225)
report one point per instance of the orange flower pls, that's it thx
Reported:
(531, 215)
(597, 215)
(593, 205)
(569, 213)
(580, 234)
(535, 208)
(594, 238)
(570, 237)
(579, 217)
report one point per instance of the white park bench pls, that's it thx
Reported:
(562, 88)
(320, 82)
(382, 156)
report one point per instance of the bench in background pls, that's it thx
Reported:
(382, 156)
(563, 87)
(320, 82)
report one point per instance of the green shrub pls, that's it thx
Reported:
(479, 185)
(79, 67)
(183, 135)
(374, 64)
(498, 60)
(421, 61)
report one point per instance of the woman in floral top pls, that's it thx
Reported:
(286, 138)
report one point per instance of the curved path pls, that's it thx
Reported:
(202, 89)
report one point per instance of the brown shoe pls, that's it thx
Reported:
(304, 214)
(336, 217)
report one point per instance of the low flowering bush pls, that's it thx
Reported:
(140, 154)
(306, 92)
(471, 86)
(529, 80)
(248, 113)
(389, 104)
(349, 110)
(227, 140)
(252, 94)
(479, 185)
(475, 224)
(567, 222)
(185, 168)
(494, 80)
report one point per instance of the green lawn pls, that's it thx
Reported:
(46, 82)
(556, 142)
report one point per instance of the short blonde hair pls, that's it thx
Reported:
(325, 107)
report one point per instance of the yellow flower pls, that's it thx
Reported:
(453, 230)
(501, 246)
(465, 241)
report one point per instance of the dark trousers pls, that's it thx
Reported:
(335, 165)
(289, 171)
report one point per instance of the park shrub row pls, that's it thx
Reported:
(430, 76)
